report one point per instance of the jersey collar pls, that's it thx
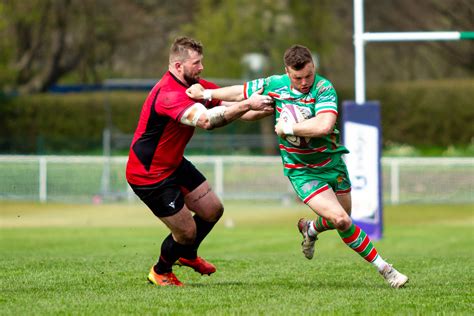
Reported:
(177, 80)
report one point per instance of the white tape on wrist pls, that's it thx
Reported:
(288, 128)
(207, 94)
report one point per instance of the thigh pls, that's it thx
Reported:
(327, 205)
(204, 202)
(308, 185)
(346, 202)
(163, 199)
(166, 201)
(198, 194)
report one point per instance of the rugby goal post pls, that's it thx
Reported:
(361, 124)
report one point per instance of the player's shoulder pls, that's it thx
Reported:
(321, 81)
(171, 91)
(277, 80)
(169, 83)
(283, 77)
(321, 85)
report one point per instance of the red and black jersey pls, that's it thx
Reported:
(159, 140)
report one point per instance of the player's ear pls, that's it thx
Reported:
(176, 65)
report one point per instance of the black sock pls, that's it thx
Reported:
(170, 252)
(202, 230)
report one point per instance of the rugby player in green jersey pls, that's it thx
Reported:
(315, 169)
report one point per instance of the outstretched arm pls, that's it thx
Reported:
(198, 115)
(256, 115)
(231, 93)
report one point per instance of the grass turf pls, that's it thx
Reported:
(83, 259)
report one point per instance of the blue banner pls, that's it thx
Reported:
(362, 135)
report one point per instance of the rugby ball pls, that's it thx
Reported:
(292, 114)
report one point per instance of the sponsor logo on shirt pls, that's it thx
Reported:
(308, 186)
(327, 98)
(319, 84)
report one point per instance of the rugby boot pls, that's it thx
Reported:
(165, 279)
(307, 245)
(198, 264)
(393, 277)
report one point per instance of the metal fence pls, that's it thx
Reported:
(86, 179)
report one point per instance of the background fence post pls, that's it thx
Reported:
(43, 180)
(395, 182)
(219, 176)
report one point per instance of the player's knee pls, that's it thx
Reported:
(186, 237)
(217, 212)
(342, 221)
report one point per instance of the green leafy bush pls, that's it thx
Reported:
(419, 114)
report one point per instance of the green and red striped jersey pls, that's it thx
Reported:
(319, 153)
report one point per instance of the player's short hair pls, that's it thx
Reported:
(181, 46)
(297, 57)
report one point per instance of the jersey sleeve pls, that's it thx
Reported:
(326, 99)
(250, 87)
(173, 104)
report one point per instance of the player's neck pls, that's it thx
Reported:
(178, 76)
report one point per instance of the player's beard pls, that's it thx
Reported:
(191, 79)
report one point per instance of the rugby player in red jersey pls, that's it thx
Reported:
(158, 173)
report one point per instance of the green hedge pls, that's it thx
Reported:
(424, 113)
(48, 123)
(427, 113)
(438, 113)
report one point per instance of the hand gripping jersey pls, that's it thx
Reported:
(160, 139)
(322, 152)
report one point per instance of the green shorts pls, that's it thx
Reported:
(313, 182)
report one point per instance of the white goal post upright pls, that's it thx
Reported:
(362, 124)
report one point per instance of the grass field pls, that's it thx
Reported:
(93, 260)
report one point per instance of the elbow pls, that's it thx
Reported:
(326, 130)
(205, 123)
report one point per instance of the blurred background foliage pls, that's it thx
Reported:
(46, 42)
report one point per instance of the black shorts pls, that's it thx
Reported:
(166, 197)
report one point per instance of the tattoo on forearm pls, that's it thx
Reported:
(202, 195)
(218, 119)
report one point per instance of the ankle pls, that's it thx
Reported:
(380, 264)
(312, 232)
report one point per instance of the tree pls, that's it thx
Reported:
(49, 39)
(44, 41)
